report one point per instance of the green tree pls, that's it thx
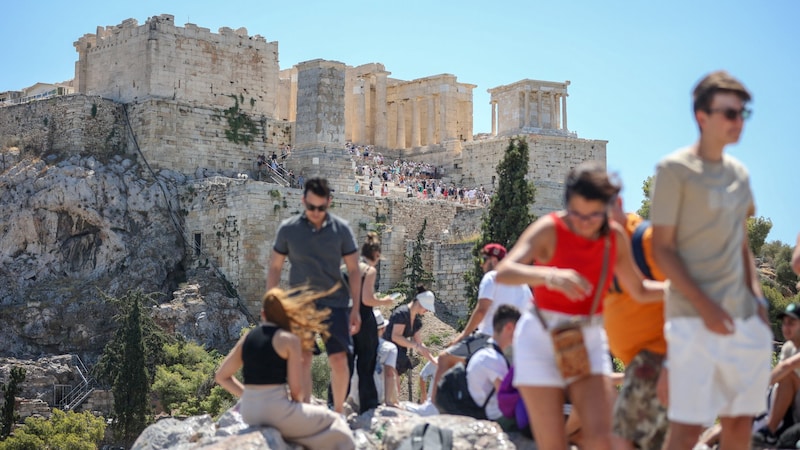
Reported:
(9, 417)
(779, 256)
(757, 230)
(414, 272)
(508, 214)
(63, 431)
(131, 384)
(185, 382)
(124, 362)
(644, 209)
(153, 336)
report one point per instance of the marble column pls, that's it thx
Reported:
(539, 119)
(564, 111)
(359, 116)
(369, 130)
(415, 131)
(444, 133)
(494, 117)
(381, 113)
(552, 110)
(558, 110)
(401, 124)
(430, 134)
(526, 121)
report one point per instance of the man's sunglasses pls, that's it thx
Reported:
(320, 208)
(733, 114)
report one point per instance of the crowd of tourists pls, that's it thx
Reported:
(579, 285)
(409, 179)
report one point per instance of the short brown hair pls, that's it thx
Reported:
(719, 81)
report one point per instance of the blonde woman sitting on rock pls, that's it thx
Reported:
(270, 357)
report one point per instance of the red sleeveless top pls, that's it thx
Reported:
(585, 256)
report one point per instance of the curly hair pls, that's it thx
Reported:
(293, 310)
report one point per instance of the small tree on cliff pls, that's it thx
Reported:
(136, 345)
(508, 214)
(414, 272)
(9, 417)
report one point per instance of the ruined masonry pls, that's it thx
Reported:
(206, 104)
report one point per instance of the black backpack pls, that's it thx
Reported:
(452, 394)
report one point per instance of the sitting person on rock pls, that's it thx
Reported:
(488, 366)
(270, 357)
(784, 409)
(426, 406)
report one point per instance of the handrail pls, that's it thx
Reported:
(81, 392)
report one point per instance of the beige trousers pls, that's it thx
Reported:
(312, 426)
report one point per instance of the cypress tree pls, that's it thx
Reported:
(8, 416)
(414, 269)
(508, 214)
(130, 381)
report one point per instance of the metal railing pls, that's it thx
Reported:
(78, 394)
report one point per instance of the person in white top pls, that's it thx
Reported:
(479, 328)
(488, 366)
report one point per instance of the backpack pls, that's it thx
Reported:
(452, 394)
(426, 436)
(637, 248)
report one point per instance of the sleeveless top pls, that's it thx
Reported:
(585, 256)
(262, 364)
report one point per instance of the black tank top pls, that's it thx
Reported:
(262, 364)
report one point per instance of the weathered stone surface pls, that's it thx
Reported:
(77, 229)
(381, 428)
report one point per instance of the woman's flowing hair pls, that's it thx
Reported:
(294, 310)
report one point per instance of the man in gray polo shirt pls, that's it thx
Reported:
(316, 242)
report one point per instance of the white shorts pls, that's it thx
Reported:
(534, 358)
(714, 375)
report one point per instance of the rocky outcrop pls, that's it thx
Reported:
(78, 229)
(381, 428)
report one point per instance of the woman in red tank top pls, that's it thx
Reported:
(561, 256)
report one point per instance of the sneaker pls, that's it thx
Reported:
(764, 436)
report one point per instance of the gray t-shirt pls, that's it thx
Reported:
(315, 255)
(707, 203)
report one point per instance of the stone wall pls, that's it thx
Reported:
(188, 138)
(551, 158)
(233, 224)
(64, 126)
(127, 62)
(450, 262)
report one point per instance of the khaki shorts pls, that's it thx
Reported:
(638, 415)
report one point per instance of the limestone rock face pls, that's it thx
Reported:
(201, 312)
(40, 375)
(381, 428)
(76, 229)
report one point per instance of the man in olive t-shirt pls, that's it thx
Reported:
(718, 340)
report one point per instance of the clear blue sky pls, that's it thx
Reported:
(632, 64)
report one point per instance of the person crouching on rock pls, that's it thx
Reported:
(270, 357)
